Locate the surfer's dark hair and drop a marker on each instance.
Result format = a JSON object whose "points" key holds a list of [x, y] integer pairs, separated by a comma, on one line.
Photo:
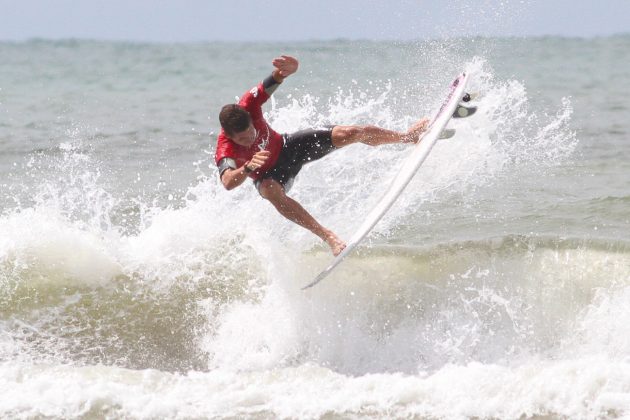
{"points": [[234, 119]]}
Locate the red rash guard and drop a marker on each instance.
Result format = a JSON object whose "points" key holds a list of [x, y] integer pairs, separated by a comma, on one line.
{"points": [[266, 137]]}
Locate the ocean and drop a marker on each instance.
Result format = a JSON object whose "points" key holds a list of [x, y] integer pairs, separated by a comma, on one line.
{"points": [[133, 285]]}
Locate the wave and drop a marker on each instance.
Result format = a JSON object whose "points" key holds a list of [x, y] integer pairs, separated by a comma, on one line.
{"points": [[88, 277], [387, 309], [120, 295], [402, 309]]}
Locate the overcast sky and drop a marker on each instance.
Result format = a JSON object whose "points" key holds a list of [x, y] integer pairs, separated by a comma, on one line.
{"points": [[291, 20]]}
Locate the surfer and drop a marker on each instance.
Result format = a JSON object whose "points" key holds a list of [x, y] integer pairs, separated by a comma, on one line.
{"points": [[248, 147]]}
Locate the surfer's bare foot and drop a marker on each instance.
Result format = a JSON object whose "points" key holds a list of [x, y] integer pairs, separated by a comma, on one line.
{"points": [[335, 244], [414, 132]]}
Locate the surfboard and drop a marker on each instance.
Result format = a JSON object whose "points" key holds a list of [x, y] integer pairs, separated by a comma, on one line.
{"points": [[410, 166]]}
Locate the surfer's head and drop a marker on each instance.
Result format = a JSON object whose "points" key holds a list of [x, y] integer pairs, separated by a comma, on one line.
{"points": [[237, 124]]}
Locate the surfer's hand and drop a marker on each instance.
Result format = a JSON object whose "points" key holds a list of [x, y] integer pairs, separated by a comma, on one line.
{"points": [[258, 160], [285, 65]]}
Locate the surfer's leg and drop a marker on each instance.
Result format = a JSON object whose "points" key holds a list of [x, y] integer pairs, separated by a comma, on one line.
{"points": [[344, 135], [273, 191]]}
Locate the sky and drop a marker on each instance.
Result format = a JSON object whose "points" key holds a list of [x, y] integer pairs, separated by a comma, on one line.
{"points": [[295, 20]]}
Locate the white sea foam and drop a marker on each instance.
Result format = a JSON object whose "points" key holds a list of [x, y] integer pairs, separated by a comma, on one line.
{"points": [[578, 388]]}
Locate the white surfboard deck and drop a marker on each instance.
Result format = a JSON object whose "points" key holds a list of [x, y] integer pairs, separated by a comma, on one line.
{"points": [[407, 171]]}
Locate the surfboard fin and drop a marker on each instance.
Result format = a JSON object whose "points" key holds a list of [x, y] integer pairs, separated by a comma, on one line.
{"points": [[464, 111], [447, 133]]}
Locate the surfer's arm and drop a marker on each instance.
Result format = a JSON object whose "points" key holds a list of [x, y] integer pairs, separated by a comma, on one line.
{"points": [[253, 99], [232, 176], [284, 67], [271, 82]]}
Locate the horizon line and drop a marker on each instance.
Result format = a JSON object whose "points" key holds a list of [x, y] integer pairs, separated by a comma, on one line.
{"points": [[303, 41]]}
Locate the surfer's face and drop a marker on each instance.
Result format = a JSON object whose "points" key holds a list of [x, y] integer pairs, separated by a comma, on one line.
{"points": [[245, 138]]}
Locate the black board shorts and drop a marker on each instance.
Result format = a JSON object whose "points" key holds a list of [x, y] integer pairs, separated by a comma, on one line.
{"points": [[299, 149]]}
